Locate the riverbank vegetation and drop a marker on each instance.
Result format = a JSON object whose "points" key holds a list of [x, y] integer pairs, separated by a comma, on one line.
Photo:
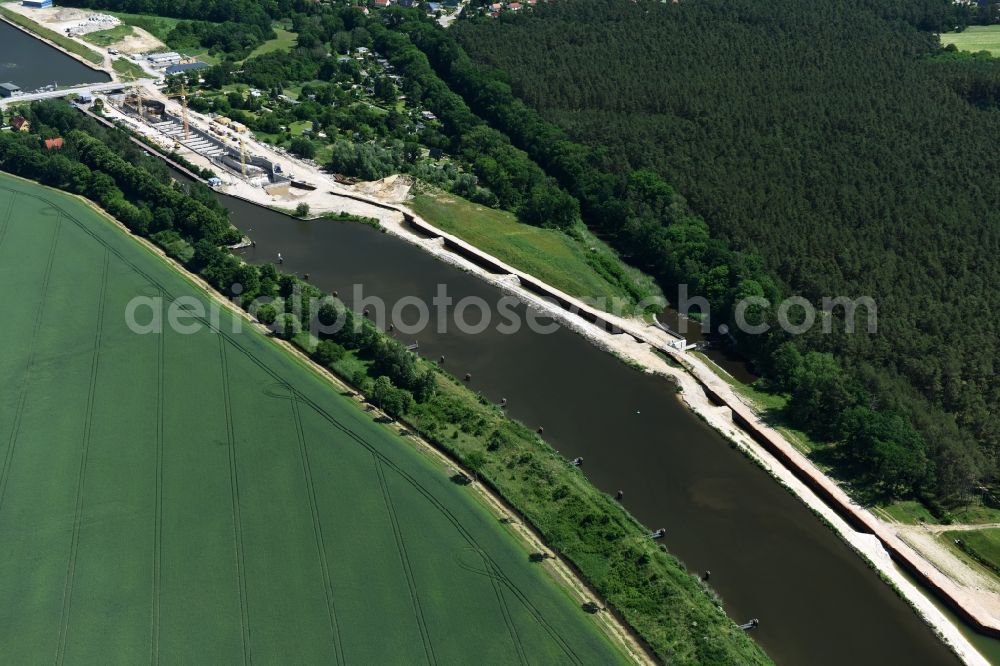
{"points": [[62, 41], [671, 609], [834, 196]]}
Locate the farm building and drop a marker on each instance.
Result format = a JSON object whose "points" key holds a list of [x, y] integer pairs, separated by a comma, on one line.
{"points": [[186, 67], [8, 89], [36, 4]]}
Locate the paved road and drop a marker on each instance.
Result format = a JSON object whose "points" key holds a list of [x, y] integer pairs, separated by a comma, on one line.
{"points": [[93, 87]]}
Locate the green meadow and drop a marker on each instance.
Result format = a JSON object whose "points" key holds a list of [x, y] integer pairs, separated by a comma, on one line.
{"points": [[204, 497], [975, 38], [578, 264]]}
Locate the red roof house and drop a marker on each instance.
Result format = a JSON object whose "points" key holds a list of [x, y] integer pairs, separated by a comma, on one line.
{"points": [[54, 144]]}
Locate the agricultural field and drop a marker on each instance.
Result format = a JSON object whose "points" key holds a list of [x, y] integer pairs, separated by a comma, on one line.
{"points": [[203, 496], [975, 38]]}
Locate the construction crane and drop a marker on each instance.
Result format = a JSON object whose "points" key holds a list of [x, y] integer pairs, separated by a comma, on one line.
{"points": [[184, 108]]}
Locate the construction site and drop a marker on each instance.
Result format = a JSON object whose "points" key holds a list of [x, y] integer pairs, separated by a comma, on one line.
{"points": [[241, 165], [223, 143]]}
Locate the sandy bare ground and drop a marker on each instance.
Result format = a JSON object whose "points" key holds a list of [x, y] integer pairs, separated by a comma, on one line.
{"points": [[329, 197], [960, 568], [53, 18], [961, 528], [393, 189], [139, 41]]}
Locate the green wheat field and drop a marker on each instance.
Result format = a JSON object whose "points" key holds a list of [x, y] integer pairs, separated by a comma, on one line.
{"points": [[206, 498]]}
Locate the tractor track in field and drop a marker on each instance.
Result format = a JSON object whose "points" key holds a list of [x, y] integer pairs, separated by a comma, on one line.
{"points": [[235, 492], [88, 431], [492, 571], [6, 217], [405, 559], [22, 398], [504, 607], [380, 457], [498, 574], [317, 527], [154, 640]]}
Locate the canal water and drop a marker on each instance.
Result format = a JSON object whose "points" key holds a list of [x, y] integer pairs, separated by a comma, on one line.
{"points": [[31, 63], [770, 558]]}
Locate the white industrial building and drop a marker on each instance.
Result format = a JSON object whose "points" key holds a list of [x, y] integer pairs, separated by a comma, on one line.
{"points": [[163, 59]]}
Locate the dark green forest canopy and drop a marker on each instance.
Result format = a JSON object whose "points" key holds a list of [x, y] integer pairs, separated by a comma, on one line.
{"points": [[833, 139]]}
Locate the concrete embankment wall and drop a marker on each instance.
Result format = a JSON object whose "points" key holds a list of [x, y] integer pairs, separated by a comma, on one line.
{"points": [[861, 521], [494, 265]]}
